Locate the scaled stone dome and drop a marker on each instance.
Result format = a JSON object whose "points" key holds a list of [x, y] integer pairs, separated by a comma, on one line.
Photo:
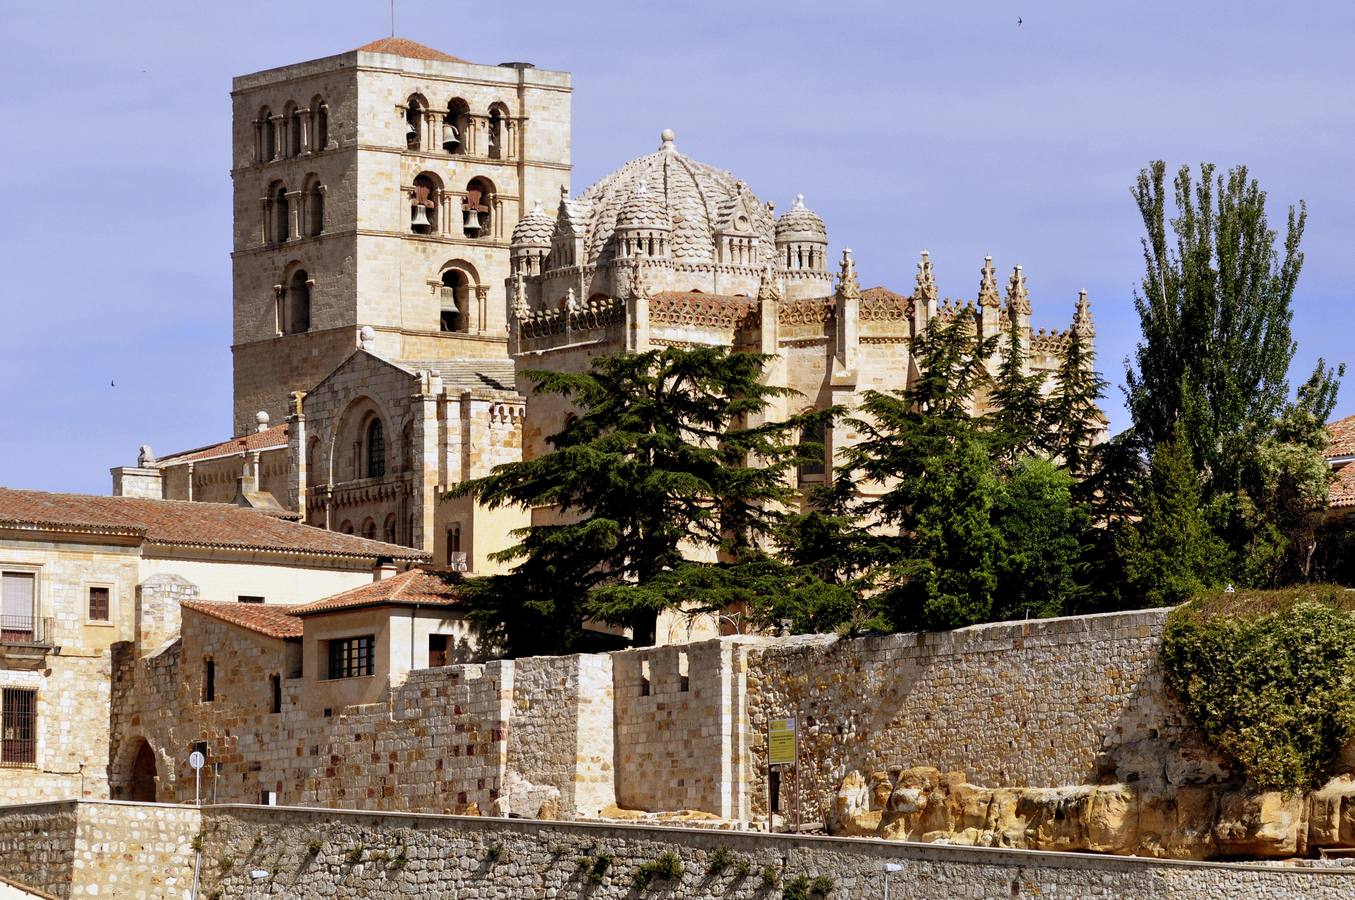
{"points": [[533, 229], [799, 223], [643, 209], [693, 196]]}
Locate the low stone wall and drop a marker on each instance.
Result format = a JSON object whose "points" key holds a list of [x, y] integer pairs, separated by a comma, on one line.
{"points": [[102, 848], [314, 853]]}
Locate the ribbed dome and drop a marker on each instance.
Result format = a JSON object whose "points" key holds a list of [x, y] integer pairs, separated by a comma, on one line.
{"points": [[693, 196], [643, 209], [799, 223], [534, 229]]}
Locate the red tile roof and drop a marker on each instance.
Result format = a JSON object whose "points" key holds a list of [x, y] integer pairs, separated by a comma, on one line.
{"points": [[1342, 433], [418, 587], [272, 619], [185, 523], [881, 292], [267, 439], [1341, 493], [407, 48]]}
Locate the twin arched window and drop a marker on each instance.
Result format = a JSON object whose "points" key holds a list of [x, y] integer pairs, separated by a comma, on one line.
{"points": [[282, 222], [297, 131], [376, 449]]}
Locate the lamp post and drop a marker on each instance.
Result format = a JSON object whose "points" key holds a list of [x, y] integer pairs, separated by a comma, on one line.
{"points": [[891, 868]]}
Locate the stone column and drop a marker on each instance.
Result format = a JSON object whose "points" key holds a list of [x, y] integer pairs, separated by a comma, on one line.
{"points": [[298, 477], [303, 117], [276, 124], [294, 215], [481, 308], [266, 204]]}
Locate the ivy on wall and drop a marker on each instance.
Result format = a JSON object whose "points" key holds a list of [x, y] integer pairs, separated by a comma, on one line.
{"points": [[1269, 677]]}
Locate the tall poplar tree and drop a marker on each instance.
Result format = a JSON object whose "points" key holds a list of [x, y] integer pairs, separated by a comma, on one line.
{"points": [[1018, 419]]}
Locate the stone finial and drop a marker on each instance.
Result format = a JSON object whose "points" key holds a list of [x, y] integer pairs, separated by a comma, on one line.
{"points": [[571, 302], [145, 456], [988, 284], [261, 420], [1018, 299], [847, 286], [638, 288], [519, 297], [769, 288], [1082, 317], [367, 338], [667, 139], [564, 193], [799, 202], [925, 286]]}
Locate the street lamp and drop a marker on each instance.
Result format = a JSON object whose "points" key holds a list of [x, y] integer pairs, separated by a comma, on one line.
{"points": [[891, 868]]}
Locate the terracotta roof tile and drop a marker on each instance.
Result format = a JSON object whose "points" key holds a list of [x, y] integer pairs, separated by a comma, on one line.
{"points": [[267, 439], [407, 48], [1341, 492], [186, 523], [272, 619], [421, 586], [1342, 433]]}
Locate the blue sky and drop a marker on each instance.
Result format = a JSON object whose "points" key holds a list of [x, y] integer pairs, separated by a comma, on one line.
{"points": [[907, 126]]}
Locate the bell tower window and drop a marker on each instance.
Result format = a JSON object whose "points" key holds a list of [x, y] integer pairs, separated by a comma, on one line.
{"points": [[475, 209], [298, 302], [319, 124], [496, 133], [453, 294], [423, 205], [266, 137], [454, 123], [282, 217], [376, 451], [414, 116]]}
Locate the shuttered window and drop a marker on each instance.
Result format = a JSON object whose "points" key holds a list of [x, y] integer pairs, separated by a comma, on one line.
{"points": [[16, 605], [98, 604]]}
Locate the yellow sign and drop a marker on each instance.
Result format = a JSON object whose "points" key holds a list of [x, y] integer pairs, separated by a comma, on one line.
{"points": [[781, 742]]}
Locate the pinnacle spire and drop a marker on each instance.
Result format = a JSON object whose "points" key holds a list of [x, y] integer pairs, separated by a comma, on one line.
{"points": [[1082, 317], [1018, 298], [925, 285], [847, 286], [769, 288], [988, 284], [638, 289], [519, 297]]}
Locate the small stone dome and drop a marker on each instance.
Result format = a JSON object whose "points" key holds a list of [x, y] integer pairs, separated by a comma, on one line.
{"points": [[534, 229], [799, 223], [643, 209]]}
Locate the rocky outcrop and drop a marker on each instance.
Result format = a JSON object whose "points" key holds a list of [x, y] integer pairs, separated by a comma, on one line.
{"points": [[1189, 821]]}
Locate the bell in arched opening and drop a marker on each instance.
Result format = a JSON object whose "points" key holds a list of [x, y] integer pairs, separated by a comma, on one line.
{"points": [[450, 138]]}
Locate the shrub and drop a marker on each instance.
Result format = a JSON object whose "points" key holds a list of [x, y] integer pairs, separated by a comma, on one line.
{"points": [[822, 885], [197, 842], [225, 863], [495, 853], [314, 847], [769, 875], [743, 867], [355, 853], [601, 863], [1269, 677], [666, 868], [796, 889], [719, 861]]}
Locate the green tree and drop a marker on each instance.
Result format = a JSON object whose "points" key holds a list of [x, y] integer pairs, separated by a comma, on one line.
{"points": [[1215, 309], [1018, 420], [659, 459], [1074, 414], [1039, 526], [1171, 552]]}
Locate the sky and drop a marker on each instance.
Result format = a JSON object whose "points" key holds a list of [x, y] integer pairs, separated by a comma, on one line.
{"points": [[944, 126]]}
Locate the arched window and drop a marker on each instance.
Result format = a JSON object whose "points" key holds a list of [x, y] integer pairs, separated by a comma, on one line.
{"points": [[376, 449], [498, 131], [298, 302], [266, 142], [319, 124], [282, 215], [816, 434], [313, 474], [369, 529], [423, 204], [414, 116], [475, 209], [293, 114], [346, 527], [388, 531], [407, 442], [315, 207], [454, 126], [455, 297]]}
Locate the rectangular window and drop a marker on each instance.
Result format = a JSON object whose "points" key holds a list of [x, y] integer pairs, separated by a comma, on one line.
{"points": [[17, 592], [248, 598], [352, 657], [437, 650], [98, 604], [275, 690], [268, 798], [18, 727], [208, 681]]}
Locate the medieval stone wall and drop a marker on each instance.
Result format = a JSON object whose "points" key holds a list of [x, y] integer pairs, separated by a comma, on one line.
{"points": [[1038, 703]]}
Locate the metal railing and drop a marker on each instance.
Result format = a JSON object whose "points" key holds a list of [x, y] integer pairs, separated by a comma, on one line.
{"points": [[26, 630]]}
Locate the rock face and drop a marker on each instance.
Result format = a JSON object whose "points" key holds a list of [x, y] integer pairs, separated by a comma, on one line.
{"points": [[1192, 821]]}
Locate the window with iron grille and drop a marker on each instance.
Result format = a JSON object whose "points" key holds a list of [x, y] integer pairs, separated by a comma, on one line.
{"points": [[376, 449], [351, 657], [18, 727], [98, 604]]}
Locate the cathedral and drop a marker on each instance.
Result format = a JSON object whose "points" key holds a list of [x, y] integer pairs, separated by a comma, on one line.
{"points": [[406, 246]]}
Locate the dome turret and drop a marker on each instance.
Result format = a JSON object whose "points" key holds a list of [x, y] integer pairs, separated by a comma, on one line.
{"points": [[801, 239], [530, 242]]}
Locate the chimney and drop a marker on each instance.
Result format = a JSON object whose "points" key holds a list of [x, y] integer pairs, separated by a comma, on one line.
{"points": [[383, 569]]}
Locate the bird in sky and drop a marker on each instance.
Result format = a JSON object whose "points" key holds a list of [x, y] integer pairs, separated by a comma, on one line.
{"points": [[112, 384], [1018, 21]]}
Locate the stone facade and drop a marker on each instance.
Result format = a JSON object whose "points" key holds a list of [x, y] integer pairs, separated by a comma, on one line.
{"points": [[131, 850]]}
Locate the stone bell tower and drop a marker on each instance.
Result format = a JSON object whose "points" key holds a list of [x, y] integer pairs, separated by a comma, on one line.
{"points": [[380, 187]]}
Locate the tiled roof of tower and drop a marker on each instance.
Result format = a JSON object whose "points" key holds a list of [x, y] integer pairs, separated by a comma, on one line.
{"points": [[272, 619], [467, 374], [1342, 433], [408, 49], [268, 439], [185, 523], [417, 587], [534, 229]]}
